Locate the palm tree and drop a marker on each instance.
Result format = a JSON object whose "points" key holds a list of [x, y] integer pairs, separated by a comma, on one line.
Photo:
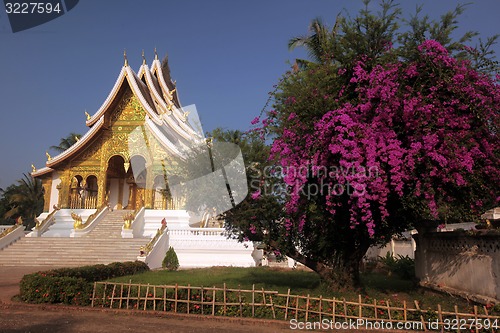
{"points": [[320, 45], [66, 142], [24, 199]]}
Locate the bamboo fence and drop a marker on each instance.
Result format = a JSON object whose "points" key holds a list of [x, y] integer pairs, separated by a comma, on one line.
{"points": [[259, 303]]}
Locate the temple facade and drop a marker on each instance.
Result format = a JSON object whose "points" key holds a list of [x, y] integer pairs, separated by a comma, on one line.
{"points": [[123, 159], [122, 193]]}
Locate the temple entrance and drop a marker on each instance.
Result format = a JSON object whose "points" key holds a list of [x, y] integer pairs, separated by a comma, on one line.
{"points": [[83, 192], [126, 182], [115, 182]]}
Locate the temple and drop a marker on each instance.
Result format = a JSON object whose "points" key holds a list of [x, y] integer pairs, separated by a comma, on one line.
{"points": [[109, 196], [98, 169]]}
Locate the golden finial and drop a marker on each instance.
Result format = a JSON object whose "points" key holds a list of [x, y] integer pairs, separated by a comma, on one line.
{"points": [[48, 156], [88, 115], [172, 94], [125, 57], [185, 115], [143, 58], [156, 55], [175, 83], [77, 138], [33, 169]]}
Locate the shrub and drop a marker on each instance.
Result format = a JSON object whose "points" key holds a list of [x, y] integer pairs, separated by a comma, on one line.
{"points": [[39, 288], [72, 285], [403, 267], [170, 262]]}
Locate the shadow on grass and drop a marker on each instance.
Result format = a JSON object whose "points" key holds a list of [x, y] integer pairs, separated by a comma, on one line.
{"points": [[387, 284], [282, 279]]}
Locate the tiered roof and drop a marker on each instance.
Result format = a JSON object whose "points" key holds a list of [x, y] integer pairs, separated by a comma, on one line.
{"points": [[156, 92]]}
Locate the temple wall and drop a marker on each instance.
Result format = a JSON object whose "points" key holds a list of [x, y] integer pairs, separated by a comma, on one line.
{"points": [[54, 192], [469, 264]]}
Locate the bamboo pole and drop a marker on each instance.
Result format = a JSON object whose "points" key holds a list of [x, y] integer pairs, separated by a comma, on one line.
{"points": [[128, 292], [146, 298], [213, 302], [112, 296], [121, 296], [375, 308], [475, 319], [287, 303], [239, 298], [307, 307], [388, 310], [104, 294], [154, 298], [175, 299], [440, 315], [345, 309], [189, 297], [253, 300], [421, 316], [202, 299], [164, 298], [138, 296], [360, 308], [405, 314], [93, 294], [333, 309], [320, 307], [224, 309], [297, 300], [272, 306]]}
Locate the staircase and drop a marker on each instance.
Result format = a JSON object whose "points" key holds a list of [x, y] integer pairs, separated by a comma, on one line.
{"points": [[102, 245]]}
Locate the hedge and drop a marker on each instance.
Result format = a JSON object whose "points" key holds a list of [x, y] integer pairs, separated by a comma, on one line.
{"points": [[72, 285]]}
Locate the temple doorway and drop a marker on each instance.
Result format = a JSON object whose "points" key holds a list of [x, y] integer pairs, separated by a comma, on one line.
{"points": [[115, 182]]}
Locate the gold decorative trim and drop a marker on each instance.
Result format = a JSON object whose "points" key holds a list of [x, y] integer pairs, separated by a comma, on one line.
{"points": [[145, 250], [39, 225], [78, 224]]}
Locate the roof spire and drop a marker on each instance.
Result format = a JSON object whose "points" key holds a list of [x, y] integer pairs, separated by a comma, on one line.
{"points": [[125, 58], [156, 55], [143, 58]]}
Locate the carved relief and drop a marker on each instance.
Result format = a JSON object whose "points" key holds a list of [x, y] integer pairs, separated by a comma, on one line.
{"points": [[129, 109]]}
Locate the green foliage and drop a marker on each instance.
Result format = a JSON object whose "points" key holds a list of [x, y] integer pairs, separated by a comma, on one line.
{"points": [[170, 262], [340, 89], [72, 285], [403, 267], [39, 288], [24, 199], [66, 142]]}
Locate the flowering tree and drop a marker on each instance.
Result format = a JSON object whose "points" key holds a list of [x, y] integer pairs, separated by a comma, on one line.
{"points": [[372, 144]]}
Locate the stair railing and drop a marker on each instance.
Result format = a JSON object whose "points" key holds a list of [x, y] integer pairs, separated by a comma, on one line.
{"points": [[80, 228], [133, 223], [146, 250], [41, 227], [10, 235]]}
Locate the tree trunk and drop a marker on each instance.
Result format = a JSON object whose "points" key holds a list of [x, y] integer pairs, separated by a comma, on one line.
{"points": [[342, 273]]}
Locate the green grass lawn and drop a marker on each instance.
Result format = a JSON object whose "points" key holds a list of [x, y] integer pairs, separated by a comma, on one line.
{"points": [[377, 286]]}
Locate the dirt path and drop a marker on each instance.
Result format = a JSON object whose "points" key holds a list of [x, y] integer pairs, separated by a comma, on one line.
{"points": [[38, 319]]}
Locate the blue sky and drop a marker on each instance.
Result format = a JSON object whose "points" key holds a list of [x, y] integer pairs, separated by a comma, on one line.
{"points": [[225, 55]]}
